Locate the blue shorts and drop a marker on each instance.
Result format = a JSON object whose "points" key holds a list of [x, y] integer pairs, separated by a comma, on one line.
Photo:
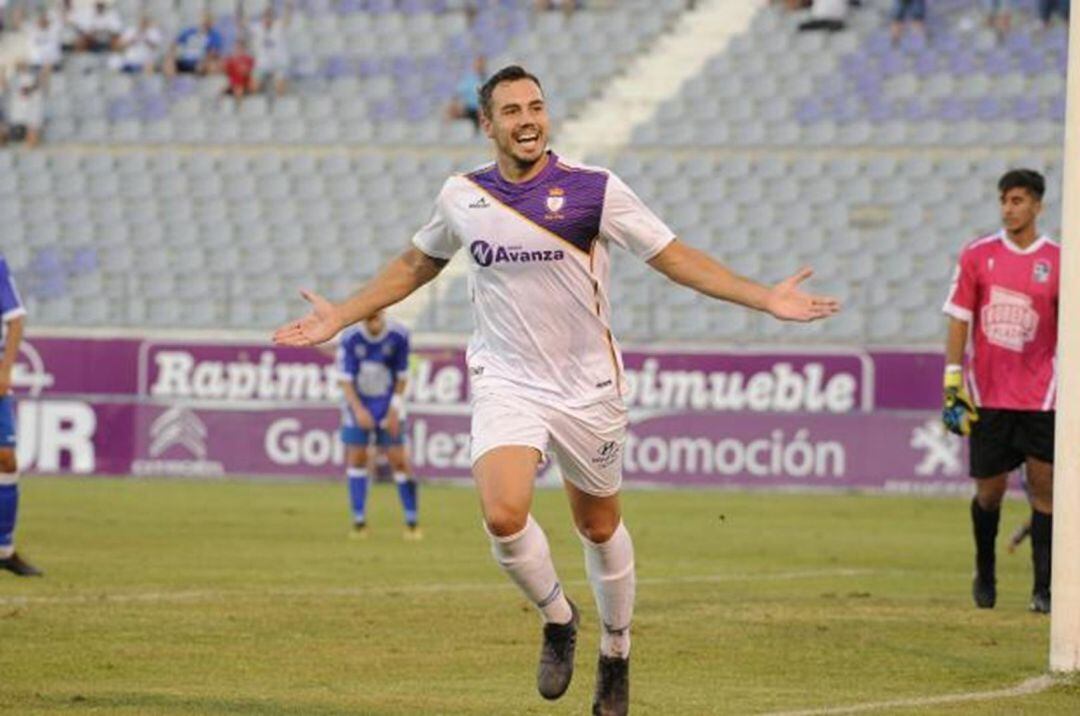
{"points": [[909, 10], [358, 437], [7, 422]]}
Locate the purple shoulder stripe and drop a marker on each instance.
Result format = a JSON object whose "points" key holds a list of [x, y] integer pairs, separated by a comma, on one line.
{"points": [[566, 201]]}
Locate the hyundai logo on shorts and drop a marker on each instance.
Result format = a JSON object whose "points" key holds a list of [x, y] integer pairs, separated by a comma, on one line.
{"points": [[486, 254]]}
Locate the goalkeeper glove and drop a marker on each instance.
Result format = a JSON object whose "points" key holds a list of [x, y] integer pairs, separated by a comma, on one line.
{"points": [[959, 412]]}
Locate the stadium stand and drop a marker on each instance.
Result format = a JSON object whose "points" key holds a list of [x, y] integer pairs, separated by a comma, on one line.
{"points": [[161, 204]]}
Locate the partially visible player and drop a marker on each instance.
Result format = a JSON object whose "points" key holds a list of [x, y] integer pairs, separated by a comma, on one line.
{"points": [[11, 331], [1003, 305], [373, 362]]}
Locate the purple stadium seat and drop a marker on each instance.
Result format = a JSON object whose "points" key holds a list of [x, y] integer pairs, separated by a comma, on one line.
{"points": [[182, 86], [989, 109], [153, 108], [998, 62], [892, 64], [1026, 109], [84, 260], [952, 109], [914, 110], [963, 62], [809, 111], [122, 109], [337, 66], [926, 63], [1032, 63], [1057, 109]]}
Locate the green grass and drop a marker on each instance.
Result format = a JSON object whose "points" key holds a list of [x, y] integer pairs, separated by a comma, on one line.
{"points": [[246, 598]]}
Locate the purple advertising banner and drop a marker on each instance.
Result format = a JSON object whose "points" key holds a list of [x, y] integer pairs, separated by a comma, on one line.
{"points": [[906, 452], [82, 366], [769, 419]]}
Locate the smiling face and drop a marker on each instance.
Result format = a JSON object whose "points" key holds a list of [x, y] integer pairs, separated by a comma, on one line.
{"points": [[516, 120]]}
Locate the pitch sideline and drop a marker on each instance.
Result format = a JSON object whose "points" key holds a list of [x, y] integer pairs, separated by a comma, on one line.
{"points": [[1024, 688], [216, 595]]}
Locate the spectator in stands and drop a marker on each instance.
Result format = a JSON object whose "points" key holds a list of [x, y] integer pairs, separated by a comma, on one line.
{"points": [[270, 49], [827, 15], [905, 12], [139, 48], [98, 27], [1049, 8], [43, 42], [197, 49], [240, 71], [567, 6], [466, 102], [27, 108], [999, 15]]}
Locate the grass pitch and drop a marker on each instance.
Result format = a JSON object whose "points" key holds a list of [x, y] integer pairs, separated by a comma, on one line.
{"points": [[247, 598]]}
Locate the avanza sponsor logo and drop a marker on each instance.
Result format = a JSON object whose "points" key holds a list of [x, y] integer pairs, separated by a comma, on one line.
{"points": [[485, 254]]}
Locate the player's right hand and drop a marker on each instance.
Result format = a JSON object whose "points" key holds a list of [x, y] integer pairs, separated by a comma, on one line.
{"points": [[959, 411], [319, 326], [363, 418]]}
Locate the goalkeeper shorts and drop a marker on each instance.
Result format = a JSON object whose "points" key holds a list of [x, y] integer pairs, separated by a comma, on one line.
{"points": [[1002, 439]]}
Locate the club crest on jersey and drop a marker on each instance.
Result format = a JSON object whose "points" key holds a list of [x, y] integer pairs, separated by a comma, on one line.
{"points": [[555, 201], [1009, 319], [485, 254], [1041, 271]]}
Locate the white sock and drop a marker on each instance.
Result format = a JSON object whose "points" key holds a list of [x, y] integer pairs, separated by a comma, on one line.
{"points": [[526, 557], [610, 566]]}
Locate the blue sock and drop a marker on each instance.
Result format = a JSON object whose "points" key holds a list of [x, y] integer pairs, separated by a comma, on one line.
{"points": [[406, 490], [9, 509], [358, 483]]}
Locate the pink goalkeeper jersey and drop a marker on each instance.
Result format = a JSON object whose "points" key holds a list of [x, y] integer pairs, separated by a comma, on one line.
{"points": [[1009, 298]]}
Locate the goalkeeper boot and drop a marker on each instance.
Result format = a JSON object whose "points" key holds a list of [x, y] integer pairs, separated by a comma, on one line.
{"points": [[612, 697], [20, 567], [984, 591], [556, 666]]}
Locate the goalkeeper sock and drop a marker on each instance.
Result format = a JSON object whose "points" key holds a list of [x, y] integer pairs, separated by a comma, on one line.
{"points": [[985, 525], [1042, 535], [358, 484], [406, 489]]}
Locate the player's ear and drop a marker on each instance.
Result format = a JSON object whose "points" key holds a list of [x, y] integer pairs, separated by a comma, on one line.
{"points": [[485, 124]]}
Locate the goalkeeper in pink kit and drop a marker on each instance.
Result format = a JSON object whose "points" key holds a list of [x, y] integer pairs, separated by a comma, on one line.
{"points": [[1003, 309]]}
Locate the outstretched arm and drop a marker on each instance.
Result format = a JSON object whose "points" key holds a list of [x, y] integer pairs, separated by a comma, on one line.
{"points": [[408, 272], [697, 270], [13, 336]]}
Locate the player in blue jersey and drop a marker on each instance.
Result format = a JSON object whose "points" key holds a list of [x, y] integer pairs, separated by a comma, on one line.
{"points": [[373, 361], [11, 331]]}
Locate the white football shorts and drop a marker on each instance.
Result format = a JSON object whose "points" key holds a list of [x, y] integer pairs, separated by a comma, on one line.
{"points": [[587, 442]]}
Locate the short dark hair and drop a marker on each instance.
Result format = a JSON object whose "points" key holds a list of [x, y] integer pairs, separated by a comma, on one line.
{"points": [[511, 73], [1028, 179]]}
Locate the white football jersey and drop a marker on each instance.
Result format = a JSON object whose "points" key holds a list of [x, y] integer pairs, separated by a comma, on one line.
{"points": [[539, 275]]}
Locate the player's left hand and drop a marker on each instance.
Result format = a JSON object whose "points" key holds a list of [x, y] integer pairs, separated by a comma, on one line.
{"points": [[788, 303], [319, 326], [5, 380]]}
